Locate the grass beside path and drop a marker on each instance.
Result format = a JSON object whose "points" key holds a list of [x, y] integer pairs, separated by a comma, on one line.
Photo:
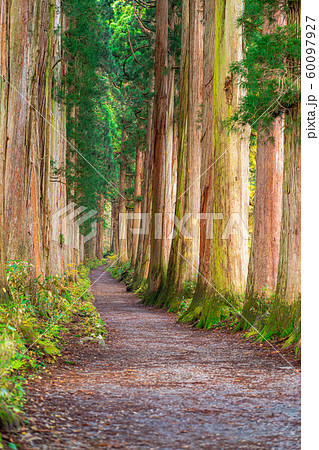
{"points": [[32, 324]]}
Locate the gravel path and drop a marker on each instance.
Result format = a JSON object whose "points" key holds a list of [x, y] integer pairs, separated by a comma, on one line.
{"points": [[161, 385]]}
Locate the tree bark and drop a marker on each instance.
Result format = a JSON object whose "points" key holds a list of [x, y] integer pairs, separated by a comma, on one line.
{"points": [[129, 222], [288, 287], [100, 228], [90, 249], [115, 229], [289, 269], [4, 90], [169, 194], [225, 164], [157, 261], [32, 131], [185, 251], [264, 254], [190, 247], [140, 154], [143, 252], [123, 256]]}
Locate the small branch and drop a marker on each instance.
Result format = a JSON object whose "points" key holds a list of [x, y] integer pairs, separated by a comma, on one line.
{"points": [[129, 40], [126, 74], [59, 181], [143, 28], [138, 117], [56, 62]]}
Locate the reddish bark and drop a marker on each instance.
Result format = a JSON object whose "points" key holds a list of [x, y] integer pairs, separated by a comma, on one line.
{"points": [[264, 256], [143, 254], [100, 228], [224, 168], [160, 134], [123, 256], [288, 287], [115, 229], [32, 133], [137, 199]]}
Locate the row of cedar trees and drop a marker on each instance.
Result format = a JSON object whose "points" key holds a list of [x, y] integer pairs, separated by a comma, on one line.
{"points": [[32, 133], [192, 164], [33, 129]]}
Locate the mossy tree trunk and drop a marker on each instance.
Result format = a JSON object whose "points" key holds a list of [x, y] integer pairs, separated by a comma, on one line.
{"points": [[4, 291], [115, 228], [123, 255], [143, 251], [225, 164], [157, 261], [190, 246], [4, 90], [185, 248], [264, 254], [32, 135], [100, 227], [129, 210], [289, 270], [169, 291], [139, 163], [90, 249], [169, 191]]}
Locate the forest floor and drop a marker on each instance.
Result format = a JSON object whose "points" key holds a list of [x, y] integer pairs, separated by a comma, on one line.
{"points": [[156, 384]]}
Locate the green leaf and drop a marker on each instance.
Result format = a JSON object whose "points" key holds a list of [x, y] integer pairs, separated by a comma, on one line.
{"points": [[18, 364], [12, 445]]}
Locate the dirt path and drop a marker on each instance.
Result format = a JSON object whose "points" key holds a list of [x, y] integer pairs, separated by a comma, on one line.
{"points": [[162, 385]]}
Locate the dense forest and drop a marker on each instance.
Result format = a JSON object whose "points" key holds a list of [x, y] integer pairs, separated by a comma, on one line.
{"points": [[161, 138], [216, 91]]}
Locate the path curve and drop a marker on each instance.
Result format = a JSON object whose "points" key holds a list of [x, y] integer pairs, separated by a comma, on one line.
{"points": [[162, 385]]}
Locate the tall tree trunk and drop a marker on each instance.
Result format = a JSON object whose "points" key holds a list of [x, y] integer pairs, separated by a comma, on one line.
{"points": [[264, 254], [4, 92], [169, 197], [288, 287], [140, 154], [225, 163], [28, 139], [4, 291], [129, 222], [157, 262], [100, 228], [90, 249], [57, 186], [190, 247], [185, 250], [143, 252], [169, 293], [115, 229], [123, 256], [171, 151], [289, 269]]}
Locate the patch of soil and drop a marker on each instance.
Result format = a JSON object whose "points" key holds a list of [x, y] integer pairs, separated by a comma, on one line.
{"points": [[156, 384]]}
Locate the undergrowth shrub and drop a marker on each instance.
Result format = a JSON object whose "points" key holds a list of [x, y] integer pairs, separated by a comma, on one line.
{"points": [[186, 297], [281, 321], [94, 263], [31, 323], [121, 272]]}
